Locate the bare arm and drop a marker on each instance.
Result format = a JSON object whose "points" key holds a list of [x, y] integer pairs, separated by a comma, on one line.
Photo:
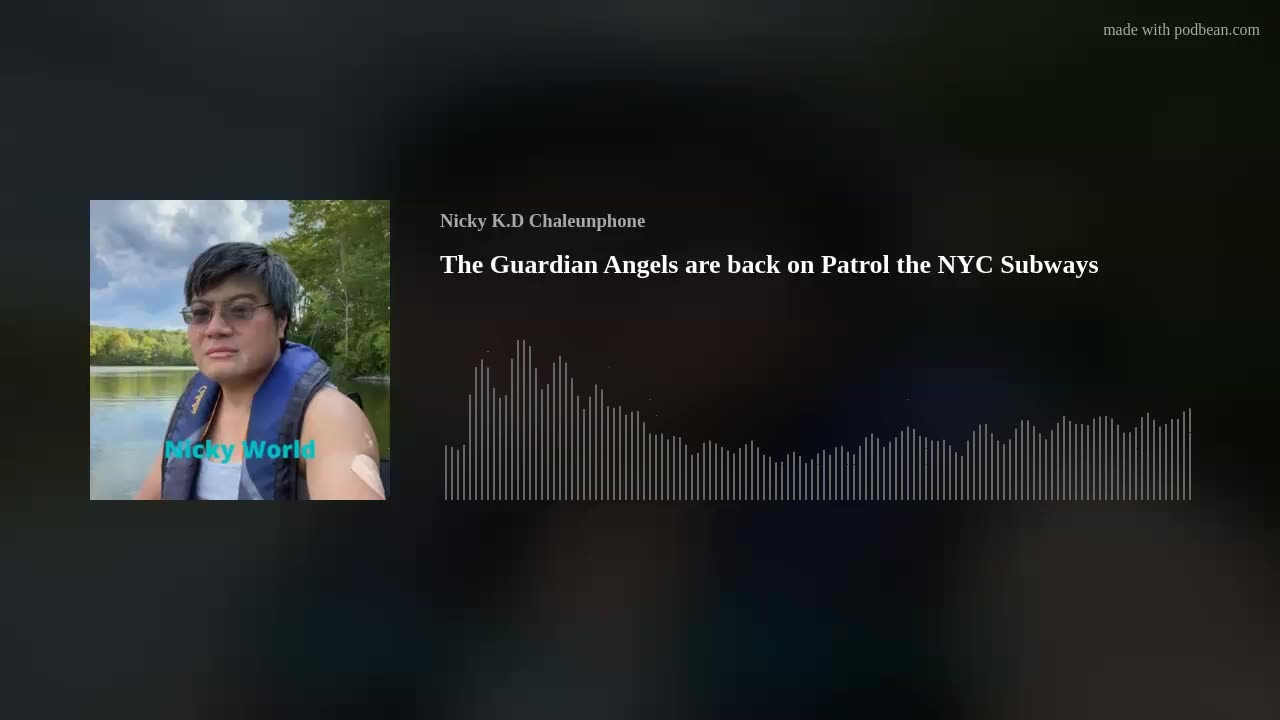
{"points": [[345, 466], [150, 489]]}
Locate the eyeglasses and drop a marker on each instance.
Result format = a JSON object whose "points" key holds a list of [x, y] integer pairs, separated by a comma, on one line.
{"points": [[237, 313]]}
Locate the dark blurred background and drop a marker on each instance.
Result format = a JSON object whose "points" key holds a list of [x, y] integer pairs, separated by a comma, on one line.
{"points": [[829, 129]]}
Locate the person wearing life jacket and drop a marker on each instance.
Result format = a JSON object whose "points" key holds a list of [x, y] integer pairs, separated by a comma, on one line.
{"points": [[260, 420]]}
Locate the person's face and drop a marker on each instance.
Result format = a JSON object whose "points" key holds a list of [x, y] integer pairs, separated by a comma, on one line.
{"points": [[236, 340]]}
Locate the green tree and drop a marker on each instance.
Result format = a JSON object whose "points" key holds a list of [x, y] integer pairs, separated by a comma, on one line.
{"points": [[341, 252]]}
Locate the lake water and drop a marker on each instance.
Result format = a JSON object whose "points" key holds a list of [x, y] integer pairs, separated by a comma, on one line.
{"points": [[129, 410]]}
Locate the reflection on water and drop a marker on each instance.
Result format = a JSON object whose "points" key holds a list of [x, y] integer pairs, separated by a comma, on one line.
{"points": [[129, 409]]}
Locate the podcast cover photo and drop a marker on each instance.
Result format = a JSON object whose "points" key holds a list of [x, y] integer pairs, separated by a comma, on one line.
{"points": [[239, 349]]}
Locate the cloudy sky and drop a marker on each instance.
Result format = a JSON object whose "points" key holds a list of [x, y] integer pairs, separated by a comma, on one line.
{"points": [[139, 251]]}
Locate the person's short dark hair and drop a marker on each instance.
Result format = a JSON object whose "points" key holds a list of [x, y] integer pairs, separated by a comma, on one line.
{"points": [[241, 258]]}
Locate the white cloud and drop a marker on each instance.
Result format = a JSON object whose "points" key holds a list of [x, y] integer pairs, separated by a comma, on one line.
{"points": [[139, 251]]}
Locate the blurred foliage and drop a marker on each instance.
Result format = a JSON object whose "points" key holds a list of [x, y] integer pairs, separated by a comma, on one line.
{"points": [[121, 346]]}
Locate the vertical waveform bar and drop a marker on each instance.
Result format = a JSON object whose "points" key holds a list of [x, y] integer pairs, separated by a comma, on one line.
{"points": [[491, 438], [572, 448], [988, 485], [1032, 477], [560, 419], [663, 493], [845, 488], [596, 407], [518, 454], [979, 460], [1151, 458], [1116, 459], [1107, 449], [552, 431], [551, 439], [1131, 463], [993, 465], [566, 460], [838, 473], [874, 475], [540, 426], [588, 445], [1044, 465], [868, 470], [518, 425], [925, 471], [1019, 456], [787, 492], [1126, 463], [1104, 457], [1002, 474], [709, 470], [1037, 457], [1131, 440], [619, 453], [1182, 457], [1189, 439], [606, 444], [859, 466], [1098, 457], [526, 417], [1164, 461], [965, 464], [1175, 458], [721, 486], [1069, 458], [1086, 459], [1142, 454], [910, 466], [751, 476], [1155, 459], [824, 477], [509, 410], [1142, 458], [646, 454]]}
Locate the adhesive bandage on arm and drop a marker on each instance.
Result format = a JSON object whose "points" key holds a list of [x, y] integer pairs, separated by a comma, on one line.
{"points": [[367, 470]]}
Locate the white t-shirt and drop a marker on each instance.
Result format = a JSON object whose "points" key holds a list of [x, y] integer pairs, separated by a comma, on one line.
{"points": [[218, 481]]}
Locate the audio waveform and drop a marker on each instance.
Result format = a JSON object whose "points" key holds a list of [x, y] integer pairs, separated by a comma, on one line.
{"points": [[545, 438]]}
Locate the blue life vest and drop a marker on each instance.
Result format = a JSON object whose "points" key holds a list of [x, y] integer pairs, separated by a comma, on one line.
{"points": [[275, 417]]}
